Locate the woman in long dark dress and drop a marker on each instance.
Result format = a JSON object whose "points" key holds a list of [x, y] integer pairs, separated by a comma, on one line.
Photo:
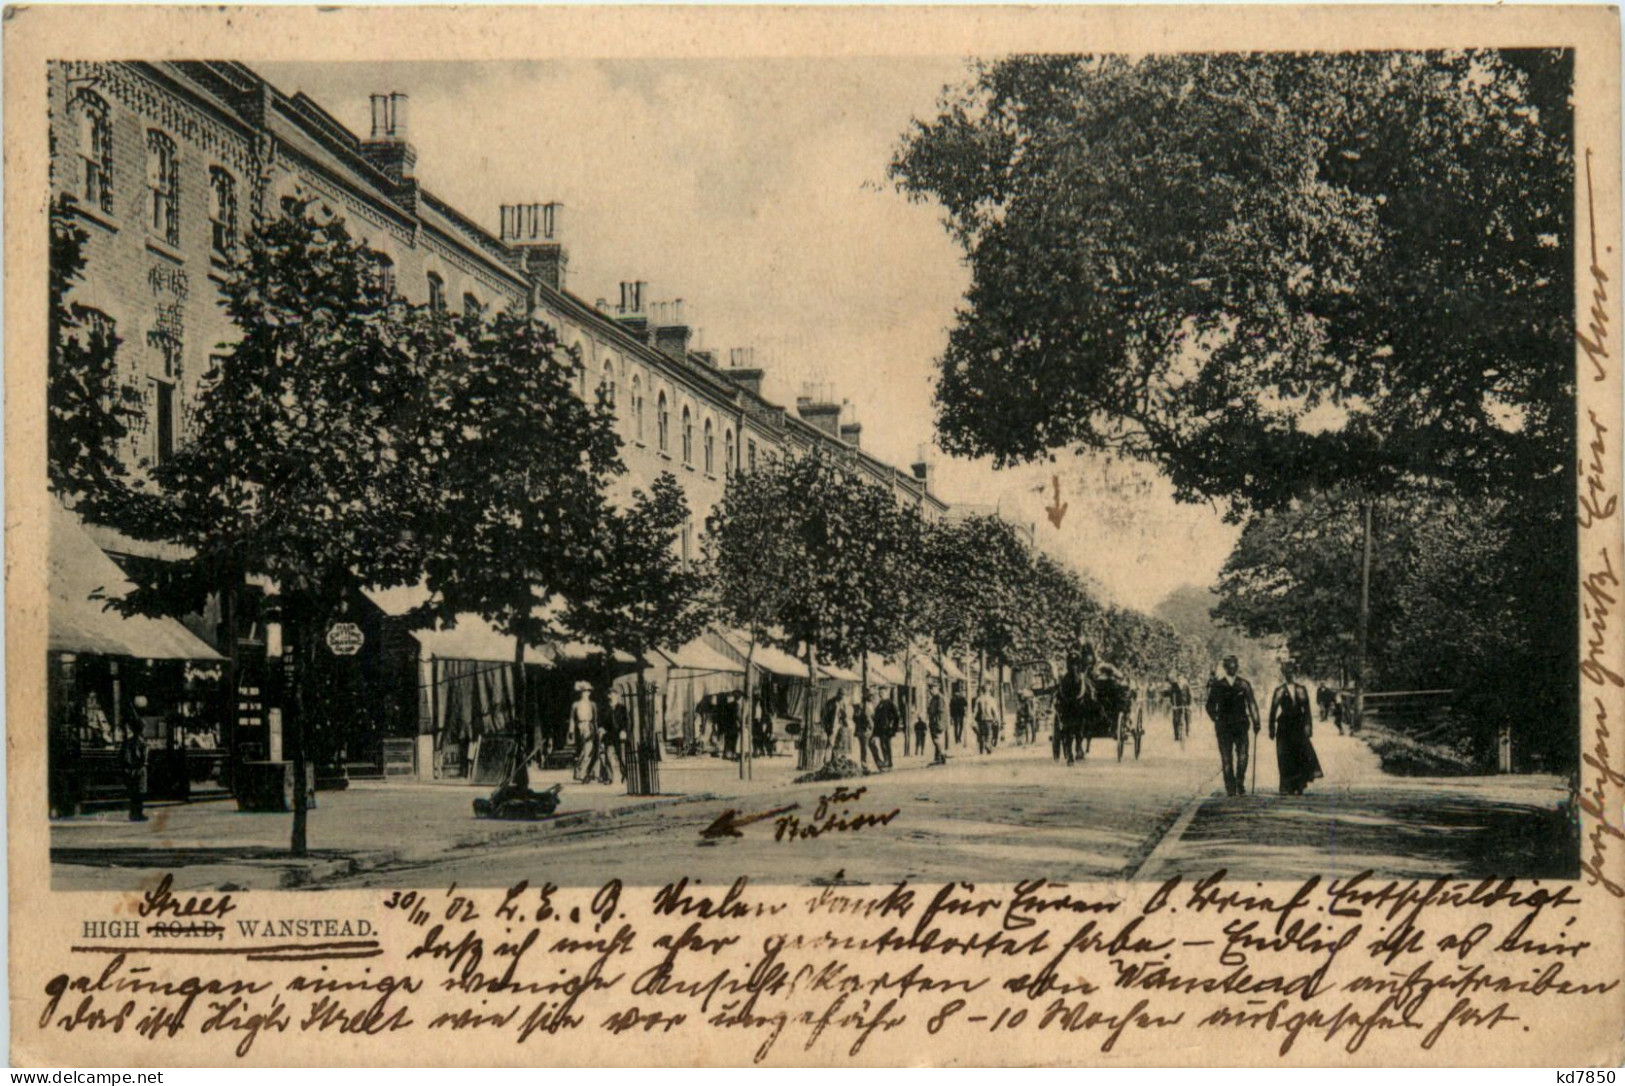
{"points": [[1291, 725]]}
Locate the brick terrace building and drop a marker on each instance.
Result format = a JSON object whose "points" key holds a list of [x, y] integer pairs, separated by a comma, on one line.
{"points": [[167, 167]]}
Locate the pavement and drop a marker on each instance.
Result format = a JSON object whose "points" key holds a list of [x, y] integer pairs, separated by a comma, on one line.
{"points": [[1011, 815]]}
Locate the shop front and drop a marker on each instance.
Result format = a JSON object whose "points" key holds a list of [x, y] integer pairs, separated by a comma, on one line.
{"points": [[111, 675]]}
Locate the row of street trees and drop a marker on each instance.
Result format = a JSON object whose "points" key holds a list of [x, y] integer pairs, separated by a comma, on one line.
{"points": [[807, 556]]}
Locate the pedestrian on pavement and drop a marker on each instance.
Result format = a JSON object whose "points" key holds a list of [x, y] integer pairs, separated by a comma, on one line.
{"points": [[1026, 724], [933, 712], [619, 744], [1291, 725], [584, 727], [987, 715], [956, 710], [864, 730], [761, 726], [886, 718], [133, 760], [1337, 714], [728, 725], [1232, 708], [1324, 698], [1070, 697], [919, 736]]}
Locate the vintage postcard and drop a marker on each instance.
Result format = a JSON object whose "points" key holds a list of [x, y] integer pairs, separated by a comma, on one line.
{"points": [[825, 536]]}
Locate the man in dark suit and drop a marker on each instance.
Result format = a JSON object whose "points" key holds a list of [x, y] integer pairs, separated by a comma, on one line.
{"points": [[1234, 712]]}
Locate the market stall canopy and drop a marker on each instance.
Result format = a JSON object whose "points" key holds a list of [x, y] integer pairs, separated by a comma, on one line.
{"points": [[697, 656], [470, 637], [82, 582], [884, 672], [839, 674], [766, 656]]}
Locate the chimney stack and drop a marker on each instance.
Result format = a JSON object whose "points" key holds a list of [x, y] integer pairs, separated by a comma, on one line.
{"points": [[387, 148], [631, 312], [671, 331], [816, 407], [852, 434], [743, 371], [922, 469], [534, 232]]}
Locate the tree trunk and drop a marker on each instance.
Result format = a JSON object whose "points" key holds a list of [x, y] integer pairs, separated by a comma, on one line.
{"points": [[863, 707], [813, 712], [516, 719], [747, 730], [308, 640]]}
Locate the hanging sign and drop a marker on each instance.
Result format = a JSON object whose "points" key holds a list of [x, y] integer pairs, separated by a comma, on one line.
{"points": [[345, 639]]}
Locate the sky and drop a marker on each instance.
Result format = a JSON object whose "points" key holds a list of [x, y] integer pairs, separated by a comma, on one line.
{"points": [[756, 191]]}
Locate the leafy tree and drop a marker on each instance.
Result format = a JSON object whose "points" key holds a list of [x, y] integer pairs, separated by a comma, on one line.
{"points": [[1267, 274], [299, 464], [750, 550], [86, 408], [886, 589], [520, 467], [789, 546], [637, 594]]}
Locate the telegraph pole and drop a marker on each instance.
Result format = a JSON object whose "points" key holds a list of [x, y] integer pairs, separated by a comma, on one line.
{"points": [[1363, 627]]}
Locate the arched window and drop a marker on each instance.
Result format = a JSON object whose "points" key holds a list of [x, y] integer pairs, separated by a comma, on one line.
{"points": [[609, 382], [688, 438], [95, 151], [637, 407], [710, 442], [728, 452], [163, 187], [437, 293], [663, 423]]}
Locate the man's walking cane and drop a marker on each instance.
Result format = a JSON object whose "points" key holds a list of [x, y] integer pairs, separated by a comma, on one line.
{"points": [[1255, 761]]}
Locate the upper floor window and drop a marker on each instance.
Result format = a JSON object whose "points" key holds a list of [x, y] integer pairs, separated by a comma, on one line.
{"points": [[751, 454], [95, 151], [164, 187], [728, 452], [384, 268], [609, 383], [710, 464], [163, 430], [223, 211], [472, 306], [688, 438], [663, 423], [637, 407], [437, 293]]}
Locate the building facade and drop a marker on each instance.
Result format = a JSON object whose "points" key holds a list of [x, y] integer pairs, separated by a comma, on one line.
{"points": [[167, 166]]}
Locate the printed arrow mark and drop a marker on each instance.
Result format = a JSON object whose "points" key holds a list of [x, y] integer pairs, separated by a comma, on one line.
{"points": [[1058, 510]]}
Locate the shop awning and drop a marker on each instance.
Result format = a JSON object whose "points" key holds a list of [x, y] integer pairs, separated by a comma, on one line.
{"points": [[470, 637], [82, 582], [839, 674], [766, 656], [697, 656], [884, 672]]}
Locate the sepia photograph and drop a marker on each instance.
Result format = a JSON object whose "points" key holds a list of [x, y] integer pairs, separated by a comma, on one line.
{"points": [[844, 470], [833, 537]]}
